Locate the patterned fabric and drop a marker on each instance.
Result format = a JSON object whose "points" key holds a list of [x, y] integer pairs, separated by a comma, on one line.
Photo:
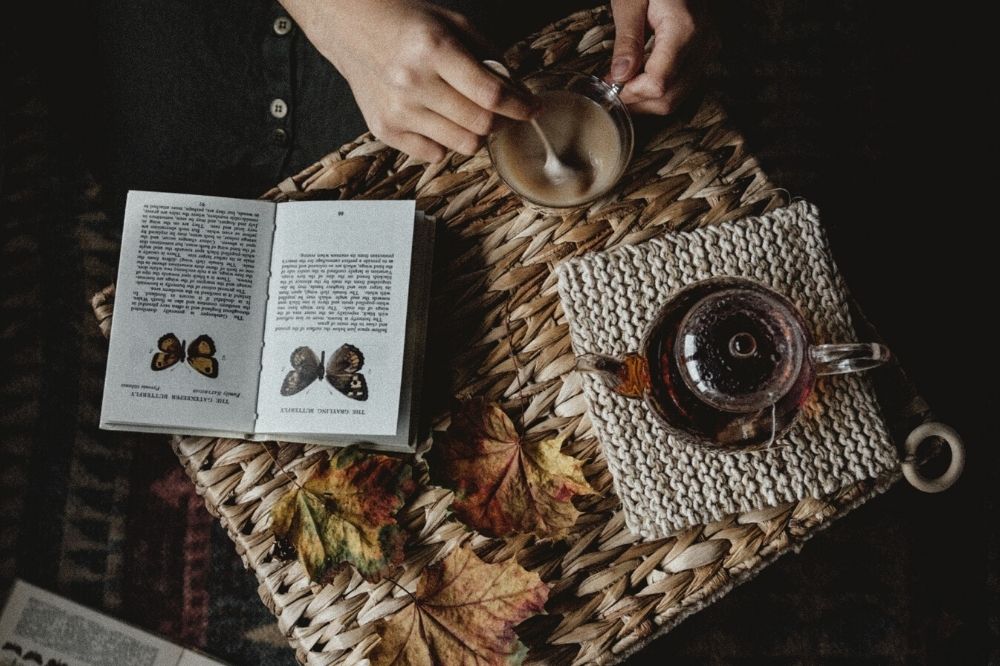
{"points": [[107, 519], [666, 484]]}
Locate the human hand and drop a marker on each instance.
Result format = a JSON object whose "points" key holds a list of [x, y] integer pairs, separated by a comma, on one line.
{"points": [[408, 63], [680, 49]]}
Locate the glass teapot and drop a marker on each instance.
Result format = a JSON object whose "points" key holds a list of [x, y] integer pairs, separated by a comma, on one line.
{"points": [[728, 363]]}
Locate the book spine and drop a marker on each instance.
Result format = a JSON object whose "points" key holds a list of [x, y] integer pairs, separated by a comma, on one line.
{"points": [[263, 326]]}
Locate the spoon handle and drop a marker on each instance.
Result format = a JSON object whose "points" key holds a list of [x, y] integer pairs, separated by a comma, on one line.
{"points": [[549, 150]]}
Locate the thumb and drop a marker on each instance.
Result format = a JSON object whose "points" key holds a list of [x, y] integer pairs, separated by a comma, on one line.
{"points": [[630, 38]]}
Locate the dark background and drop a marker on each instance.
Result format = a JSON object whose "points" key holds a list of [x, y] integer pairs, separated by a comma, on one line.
{"points": [[879, 112]]}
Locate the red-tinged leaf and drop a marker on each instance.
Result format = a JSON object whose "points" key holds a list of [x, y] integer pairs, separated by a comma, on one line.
{"points": [[464, 612], [503, 483], [345, 513]]}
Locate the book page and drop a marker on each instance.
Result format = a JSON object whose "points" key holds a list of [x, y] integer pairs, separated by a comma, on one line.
{"points": [[336, 318], [44, 628], [189, 313]]}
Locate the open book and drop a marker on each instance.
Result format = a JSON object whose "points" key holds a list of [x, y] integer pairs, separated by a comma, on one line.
{"points": [[301, 321]]}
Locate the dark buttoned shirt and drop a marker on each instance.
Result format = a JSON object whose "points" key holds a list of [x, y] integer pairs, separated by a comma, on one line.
{"points": [[221, 97], [225, 97]]}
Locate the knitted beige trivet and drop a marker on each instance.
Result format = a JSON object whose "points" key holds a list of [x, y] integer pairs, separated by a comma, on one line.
{"points": [[666, 485]]}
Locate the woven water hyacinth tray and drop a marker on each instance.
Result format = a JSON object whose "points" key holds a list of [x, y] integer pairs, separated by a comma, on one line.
{"points": [[497, 331]]}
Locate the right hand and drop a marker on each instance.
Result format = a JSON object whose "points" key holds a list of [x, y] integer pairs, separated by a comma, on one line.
{"points": [[417, 84], [681, 46]]}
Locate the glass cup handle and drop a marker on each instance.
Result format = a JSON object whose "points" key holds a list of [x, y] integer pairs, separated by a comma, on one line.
{"points": [[851, 357]]}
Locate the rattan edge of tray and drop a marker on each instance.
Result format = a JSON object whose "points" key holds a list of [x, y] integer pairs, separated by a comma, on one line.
{"points": [[828, 511], [356, 170], [749, 570]]}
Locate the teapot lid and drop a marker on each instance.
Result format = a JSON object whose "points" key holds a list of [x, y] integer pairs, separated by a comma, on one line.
{"points": [[740, 349]]}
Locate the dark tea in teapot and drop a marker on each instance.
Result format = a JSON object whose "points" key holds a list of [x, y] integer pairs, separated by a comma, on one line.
{"points": [[729, 362]]}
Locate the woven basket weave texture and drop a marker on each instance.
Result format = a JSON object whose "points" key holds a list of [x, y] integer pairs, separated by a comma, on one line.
{"points": [[498, 331]]}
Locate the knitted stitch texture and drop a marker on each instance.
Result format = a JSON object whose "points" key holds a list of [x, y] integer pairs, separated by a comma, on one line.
{"points": [[665, 484]]}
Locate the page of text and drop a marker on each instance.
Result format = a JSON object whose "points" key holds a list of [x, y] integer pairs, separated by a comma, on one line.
{"points": [[336, 318], [189, 312], [43, 628]]}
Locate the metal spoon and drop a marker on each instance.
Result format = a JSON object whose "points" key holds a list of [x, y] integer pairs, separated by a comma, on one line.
{"points": [[555, 169]]}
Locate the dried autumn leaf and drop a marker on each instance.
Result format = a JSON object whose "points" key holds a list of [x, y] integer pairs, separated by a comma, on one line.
{"points": [[464, 612], [345, 514], [504, 484]]}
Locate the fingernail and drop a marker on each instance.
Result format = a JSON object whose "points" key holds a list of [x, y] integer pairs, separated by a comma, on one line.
{"points": [[620, 67]]}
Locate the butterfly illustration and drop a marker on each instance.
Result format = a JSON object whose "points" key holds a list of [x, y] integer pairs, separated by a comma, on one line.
{"points": [[342, 372], [200, 354]]}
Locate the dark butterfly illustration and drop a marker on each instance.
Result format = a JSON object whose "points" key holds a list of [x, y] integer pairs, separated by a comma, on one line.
{"points": [[200, 354], [343, 371], [12, 647], [33, 656]]}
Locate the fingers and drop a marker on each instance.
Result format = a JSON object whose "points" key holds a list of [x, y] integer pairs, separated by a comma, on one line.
{"points": [[428, 136], [451, 54], [667, 103], [645, 87], [675, 64], [487, 90], [676, 88], [447, 102], [663, 68], [674, 34], [417, 146], [438, 97], [630, 38], [447, 133]]}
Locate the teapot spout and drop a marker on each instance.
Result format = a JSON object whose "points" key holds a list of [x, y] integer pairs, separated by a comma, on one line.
{"points": [[627, 376]]}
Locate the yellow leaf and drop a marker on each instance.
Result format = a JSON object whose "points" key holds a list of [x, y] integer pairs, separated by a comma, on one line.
{"points": [[345, 514]]}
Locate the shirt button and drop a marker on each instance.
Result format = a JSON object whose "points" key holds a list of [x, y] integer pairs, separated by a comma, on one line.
{"points": [[278, 108], [282, 26], [279, 137]]}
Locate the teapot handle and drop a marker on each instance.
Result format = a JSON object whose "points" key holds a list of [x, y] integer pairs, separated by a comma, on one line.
{"points": [[627, 375], [840, 359]]}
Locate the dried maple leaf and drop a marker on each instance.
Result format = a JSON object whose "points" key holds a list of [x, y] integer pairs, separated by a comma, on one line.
{"points": [[345, 514], [464, 612], [504, 484]]}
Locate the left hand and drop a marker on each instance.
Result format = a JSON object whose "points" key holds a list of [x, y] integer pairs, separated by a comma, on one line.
{"points": [[680, 49]]}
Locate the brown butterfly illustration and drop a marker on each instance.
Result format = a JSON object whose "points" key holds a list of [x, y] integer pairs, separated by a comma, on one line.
{"points": [[342, 372], [200, 354]]}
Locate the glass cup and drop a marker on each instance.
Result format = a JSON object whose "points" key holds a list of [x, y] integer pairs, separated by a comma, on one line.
{"points": [[589, 128]]}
